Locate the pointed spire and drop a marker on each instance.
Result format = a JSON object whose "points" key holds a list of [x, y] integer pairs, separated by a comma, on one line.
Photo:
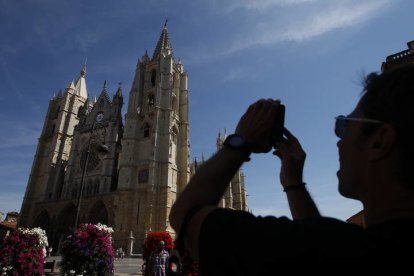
{"points": [[118, 99], [163, 42], [83, 70], [80, 84], [220, 139], [145, 58], [119, 91], [71, 85], [104, 93], [95, 100]]}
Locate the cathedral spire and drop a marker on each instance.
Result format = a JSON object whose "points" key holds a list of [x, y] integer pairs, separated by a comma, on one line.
{"points": [[163, 42], [119, 91], [104, 93], [104, 86], [80, 85]]}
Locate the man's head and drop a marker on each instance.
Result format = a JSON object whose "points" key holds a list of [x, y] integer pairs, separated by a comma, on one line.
{"points": [[389, 97], [161, 245], [387, 102]]}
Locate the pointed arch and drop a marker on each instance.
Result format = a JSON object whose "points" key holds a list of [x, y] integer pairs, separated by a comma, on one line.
{"points": [[153, 77], [42, 221], [63, 225], [151, 100], [66, 217], [174, 102], [80, 110], [96, 186], [173, 149], [146, 130], [174, 134], [98, 213]]}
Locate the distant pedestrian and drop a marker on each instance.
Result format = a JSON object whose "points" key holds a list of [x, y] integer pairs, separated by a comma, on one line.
{"points": [[49, 251], [158, 261], [118, 253]]}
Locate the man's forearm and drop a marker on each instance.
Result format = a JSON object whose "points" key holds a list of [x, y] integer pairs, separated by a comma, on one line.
{"points": [[208, 184], [301, 204]]}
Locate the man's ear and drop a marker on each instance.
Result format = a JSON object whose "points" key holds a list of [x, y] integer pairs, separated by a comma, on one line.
{"points": [[382, 142]]}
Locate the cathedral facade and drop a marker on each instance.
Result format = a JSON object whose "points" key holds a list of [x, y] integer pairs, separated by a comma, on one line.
{"points": [[90, 167]]}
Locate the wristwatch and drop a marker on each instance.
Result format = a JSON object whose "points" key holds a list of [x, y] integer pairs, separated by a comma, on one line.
{"points": [[235, 142]]}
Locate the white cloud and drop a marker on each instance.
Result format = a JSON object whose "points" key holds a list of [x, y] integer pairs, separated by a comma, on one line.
{"points": [[237, 73], [324, 21], [262, 5], [270, 22]]}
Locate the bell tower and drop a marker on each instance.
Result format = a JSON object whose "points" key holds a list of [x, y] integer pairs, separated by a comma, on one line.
{"points": [[53, 149], [153, 165]]}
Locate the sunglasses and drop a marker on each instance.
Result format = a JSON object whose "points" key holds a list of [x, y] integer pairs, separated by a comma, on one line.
{"points": [[341, 124]]}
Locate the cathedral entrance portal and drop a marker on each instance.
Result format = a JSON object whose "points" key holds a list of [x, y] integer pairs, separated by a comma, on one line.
{"points": [[64, 226], [98, 213]]}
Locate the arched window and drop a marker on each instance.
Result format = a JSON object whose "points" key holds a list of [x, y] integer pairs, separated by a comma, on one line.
{"points": [[80, 109], [151, 100], [96, 187], [146, 130], [174, 103], [173, 144], [174, 134], [153, 77]]}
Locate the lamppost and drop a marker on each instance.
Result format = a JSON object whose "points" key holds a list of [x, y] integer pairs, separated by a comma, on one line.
{"points": [[101, 148]]}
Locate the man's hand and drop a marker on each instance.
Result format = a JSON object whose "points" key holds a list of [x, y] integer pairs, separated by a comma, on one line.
{"points": [[257, 123], [292, 157]]}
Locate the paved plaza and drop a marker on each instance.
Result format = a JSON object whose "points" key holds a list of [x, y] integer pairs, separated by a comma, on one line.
{"points": [[123, 267]]}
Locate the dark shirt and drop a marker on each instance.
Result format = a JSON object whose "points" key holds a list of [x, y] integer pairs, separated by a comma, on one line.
{"points": [[238, 243]]}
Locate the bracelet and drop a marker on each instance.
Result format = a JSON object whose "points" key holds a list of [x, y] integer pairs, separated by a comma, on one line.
{"points": [[294, 187]]}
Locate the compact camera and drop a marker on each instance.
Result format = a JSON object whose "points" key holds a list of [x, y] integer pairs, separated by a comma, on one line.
{"points": [[277, 131]]}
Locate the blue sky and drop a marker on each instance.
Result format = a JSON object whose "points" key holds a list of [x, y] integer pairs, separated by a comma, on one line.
{"points": [[311, 54]]}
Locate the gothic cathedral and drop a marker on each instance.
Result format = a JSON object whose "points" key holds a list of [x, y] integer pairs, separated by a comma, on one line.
{"points": [[90, 167]]}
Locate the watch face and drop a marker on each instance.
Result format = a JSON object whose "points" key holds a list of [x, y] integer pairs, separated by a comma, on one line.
{"points": [[236, 141], [99, 116]]}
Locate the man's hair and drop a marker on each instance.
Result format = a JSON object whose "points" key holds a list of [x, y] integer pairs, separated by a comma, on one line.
{"points": [[389, 97]]}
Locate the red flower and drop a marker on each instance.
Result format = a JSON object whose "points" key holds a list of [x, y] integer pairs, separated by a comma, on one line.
{"points": [[88, 250], [23, 252], [153, 239]]}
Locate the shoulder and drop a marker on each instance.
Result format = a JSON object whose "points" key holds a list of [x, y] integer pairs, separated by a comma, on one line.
{"points": [[323, 234]]}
